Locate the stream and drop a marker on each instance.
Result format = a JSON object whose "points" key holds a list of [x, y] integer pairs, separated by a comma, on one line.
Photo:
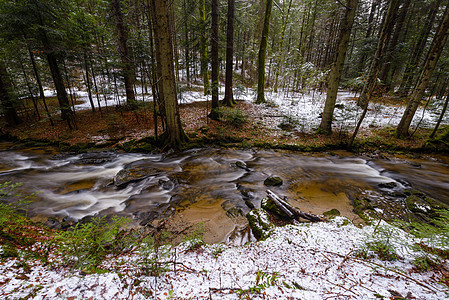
{"points": [[214, 186]]}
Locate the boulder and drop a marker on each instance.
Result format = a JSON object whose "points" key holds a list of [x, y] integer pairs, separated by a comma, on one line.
{"points": [[273, 180], [260, 222], [134, 172], [332, 213], [97, 158]]}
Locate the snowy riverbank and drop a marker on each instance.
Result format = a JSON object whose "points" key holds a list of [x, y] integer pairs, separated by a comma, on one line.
{"points": [[304, 261]]}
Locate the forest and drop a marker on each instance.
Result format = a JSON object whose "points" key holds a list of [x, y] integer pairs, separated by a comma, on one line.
{"points": [[222, 149], [144, 57]]}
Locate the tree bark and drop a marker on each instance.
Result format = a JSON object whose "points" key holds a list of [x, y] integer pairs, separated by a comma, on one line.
{"points": [[373, 72], [337, 68], [6, 98], [203, 47], [418, 50], [369, 31], [174, 134], [263, 53], [370, 85], [125, 53], [229, 96], [214, 60], [432, 58], [389, 54]]}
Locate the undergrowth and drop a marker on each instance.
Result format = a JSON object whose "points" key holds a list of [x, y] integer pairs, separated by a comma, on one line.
{"points": [[85, 246]]}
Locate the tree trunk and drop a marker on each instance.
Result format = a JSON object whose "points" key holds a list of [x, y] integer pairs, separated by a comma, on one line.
{"points": [[174, 134], [443, 111], [214, 60], [6, 98], [125, 53], [394, 41], [262, 54], [370, 85], [88, 84], [369, 31], [66, 112], [203, 47], [39, 84], [373, 72], [418, 50], [335, 75], [432, 58], [229, 96]]}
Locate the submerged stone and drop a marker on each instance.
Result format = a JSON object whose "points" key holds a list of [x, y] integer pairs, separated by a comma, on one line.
{"points": [[388, 185], [332, 213]]}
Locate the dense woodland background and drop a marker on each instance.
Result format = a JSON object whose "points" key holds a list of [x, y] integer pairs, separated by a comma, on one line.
{"points": [[142, 48]]}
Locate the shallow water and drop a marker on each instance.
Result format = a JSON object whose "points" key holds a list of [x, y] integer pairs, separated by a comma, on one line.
{"points": [[206, 185]]}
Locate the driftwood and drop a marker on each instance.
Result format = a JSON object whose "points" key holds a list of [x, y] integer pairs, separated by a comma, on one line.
{"points": [[291, 211]]}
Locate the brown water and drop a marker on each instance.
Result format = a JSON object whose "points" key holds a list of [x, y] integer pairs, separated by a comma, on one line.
{"points": [[206, 185]]}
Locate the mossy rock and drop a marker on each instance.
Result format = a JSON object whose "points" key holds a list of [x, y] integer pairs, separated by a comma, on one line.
{"points": [[423, 208], [273, 180], [240, 164], [260, 222], [269, 205], [332, 213]]}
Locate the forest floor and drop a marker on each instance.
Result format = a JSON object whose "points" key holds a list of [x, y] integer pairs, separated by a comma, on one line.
{"points": [[246, 125], [328, 260]]}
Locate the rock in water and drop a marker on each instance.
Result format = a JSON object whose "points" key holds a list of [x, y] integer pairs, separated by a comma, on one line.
{"points": [[273, 180], [260, 223], [135, 171]]}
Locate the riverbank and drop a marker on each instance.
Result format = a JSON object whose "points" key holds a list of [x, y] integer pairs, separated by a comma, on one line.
{"points": [[245, 126], [303, 261]]}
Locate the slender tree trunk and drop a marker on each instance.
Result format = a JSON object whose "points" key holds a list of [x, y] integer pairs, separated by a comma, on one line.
{"points": [[389, 54], [443, 112], [229, 97], [27, 82], [337, 68], [88, 84], [418, 50], [39, 84], [214, 63], [6, 98], [203, 47], [125, 53], [369, 31], [262, 54], [280, 58], [373, 72], [66, 112], [370, 85], [174, 134], [432, 58]]}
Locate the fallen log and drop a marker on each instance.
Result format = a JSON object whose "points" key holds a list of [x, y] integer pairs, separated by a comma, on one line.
{"points": [[291, 211]]}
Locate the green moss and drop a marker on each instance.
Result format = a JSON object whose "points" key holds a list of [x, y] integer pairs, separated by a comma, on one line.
{"points": [[260, 223], [269, 205], [332, 212]]}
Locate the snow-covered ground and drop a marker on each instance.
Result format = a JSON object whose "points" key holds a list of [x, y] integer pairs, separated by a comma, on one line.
{"points": [[303, 261], [304, 109]]}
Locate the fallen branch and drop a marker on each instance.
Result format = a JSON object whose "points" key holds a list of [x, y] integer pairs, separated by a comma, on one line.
{"points": [[291, 211]]}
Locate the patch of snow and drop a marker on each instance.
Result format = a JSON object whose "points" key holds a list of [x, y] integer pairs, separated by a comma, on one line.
{"points": [[303, 261]]}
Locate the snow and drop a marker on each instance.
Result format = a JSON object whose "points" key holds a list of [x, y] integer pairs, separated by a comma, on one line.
{"points": [[304, 108], [301, 261]]}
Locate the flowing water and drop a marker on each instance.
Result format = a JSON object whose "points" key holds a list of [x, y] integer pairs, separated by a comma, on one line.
{"points": [[214, 186]]}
